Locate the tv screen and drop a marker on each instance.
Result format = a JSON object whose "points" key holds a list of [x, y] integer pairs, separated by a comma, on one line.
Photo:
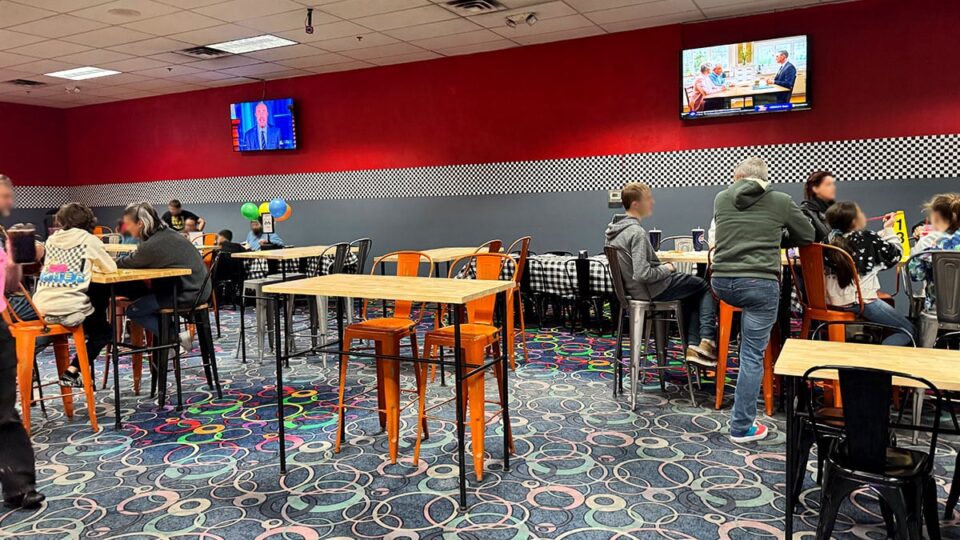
{"points": [[745, 78], [263, 125]]}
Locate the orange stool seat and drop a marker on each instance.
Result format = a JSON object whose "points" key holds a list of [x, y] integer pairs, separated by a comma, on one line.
{"points": [[382, 325]]}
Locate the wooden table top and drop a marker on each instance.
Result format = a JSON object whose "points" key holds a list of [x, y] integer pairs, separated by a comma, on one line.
{"points": [[374, 287], [938, 366], [285, 254], [445, 254], [747, 89], [696, 257], [123, 275], [130, 248]]}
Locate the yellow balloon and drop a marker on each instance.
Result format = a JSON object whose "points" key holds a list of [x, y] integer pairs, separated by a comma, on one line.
{"points": [[264, 208]]}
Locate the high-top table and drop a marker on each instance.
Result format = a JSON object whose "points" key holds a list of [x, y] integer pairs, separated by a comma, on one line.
{"points": [[126, 276], [798, 355], [114, 249], [453, 292], [285, 255], [697, 257]]}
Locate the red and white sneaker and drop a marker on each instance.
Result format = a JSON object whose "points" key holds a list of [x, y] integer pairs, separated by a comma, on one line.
{"points": [[756, 432]]}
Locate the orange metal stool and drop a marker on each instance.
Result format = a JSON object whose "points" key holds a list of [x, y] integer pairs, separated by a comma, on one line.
{"points": [[723, 349]]}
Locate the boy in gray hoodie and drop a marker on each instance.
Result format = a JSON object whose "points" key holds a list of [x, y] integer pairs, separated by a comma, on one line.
{"points": [[646, 278]]}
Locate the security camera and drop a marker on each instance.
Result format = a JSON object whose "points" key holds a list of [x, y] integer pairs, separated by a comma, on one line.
{"points": [[531, 19], [308, 27]]}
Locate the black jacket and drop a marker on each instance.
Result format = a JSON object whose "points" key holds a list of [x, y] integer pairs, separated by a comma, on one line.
{"points": [[170, 249], [816, 211]]}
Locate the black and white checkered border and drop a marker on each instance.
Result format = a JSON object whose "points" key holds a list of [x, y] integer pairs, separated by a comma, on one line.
{"points": [[933, 156]]}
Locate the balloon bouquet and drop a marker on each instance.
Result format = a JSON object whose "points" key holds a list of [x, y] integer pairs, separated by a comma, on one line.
{"points": [[277, 208]]}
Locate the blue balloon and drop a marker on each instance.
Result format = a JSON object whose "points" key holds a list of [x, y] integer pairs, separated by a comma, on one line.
{"points": [[278, 207]]}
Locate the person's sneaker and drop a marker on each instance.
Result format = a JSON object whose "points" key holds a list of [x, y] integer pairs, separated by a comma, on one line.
{"points": [[71, 379], [186, 341], [30, 500], [756, 432], [706, 349], [695, 357]]}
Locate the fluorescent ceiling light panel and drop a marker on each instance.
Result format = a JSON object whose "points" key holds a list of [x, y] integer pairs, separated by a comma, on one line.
{"points": [[251, 44], [82, 73]]}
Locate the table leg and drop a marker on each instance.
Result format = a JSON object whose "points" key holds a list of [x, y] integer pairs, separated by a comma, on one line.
{"points": [[792, 431], [243, 327], [383, 303], [114, 356], [343, 429], [176, 345], [458, 392], [281, 429], [504, 370]]}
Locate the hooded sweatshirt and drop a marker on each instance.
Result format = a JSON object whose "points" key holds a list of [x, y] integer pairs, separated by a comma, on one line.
{"points": [[816, 211], [72, 255], [169, 249], [645, 277], [750, 222]]}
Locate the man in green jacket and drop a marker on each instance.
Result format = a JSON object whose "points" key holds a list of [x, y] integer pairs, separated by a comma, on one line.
{"points": [[750, 222]]}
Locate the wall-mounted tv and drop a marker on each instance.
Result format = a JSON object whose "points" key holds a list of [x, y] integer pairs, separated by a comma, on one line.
{"points": [[263, 125], [745, 78]]}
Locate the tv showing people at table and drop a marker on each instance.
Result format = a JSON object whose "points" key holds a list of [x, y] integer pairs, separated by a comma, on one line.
{"points": [[263, 125], [745, 78]]}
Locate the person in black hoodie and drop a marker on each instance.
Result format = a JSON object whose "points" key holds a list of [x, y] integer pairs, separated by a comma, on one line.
{"points": [[819, 192], [162, 247]]}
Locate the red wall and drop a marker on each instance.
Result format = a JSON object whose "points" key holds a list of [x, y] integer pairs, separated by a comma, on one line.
{"points": [[33, 147], [879, 68]]}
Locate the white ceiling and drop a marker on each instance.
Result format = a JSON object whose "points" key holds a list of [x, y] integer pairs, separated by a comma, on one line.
{"points": [[43, 36]]}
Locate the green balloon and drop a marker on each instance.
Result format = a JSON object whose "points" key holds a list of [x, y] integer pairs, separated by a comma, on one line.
{"points": [[250, 211]]}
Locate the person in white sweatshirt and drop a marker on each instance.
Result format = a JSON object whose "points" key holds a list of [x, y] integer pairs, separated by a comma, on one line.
{"points": [[73, 253]]}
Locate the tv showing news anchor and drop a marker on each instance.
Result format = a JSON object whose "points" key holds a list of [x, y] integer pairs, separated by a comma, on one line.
{"points": [[263, 125], [762, 76]]}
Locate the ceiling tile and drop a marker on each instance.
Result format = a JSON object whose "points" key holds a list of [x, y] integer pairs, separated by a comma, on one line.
{"points": [[51, 48], [9, 39], [10, 59], [150, 46], [352, 9], [146, 8], [642, 11], [94, 57], [122, 78], [407, 17], [155, 84], [167, 72], [291, 20], [404, 58], [435, 29], [255, 70], [288, 74], [172, 58], [225, 62], [348, 66], [584, 6], [133, 64], [41, 66], [745, 8], [58, 26], [108, 37], [12, 14], [63, 6], [477, 47], [235, 10], [201, 77], [215, 34], [181, 21], [383, 51], [229, 81], [550, 10], [284, 53], [572, 33], [455, 40], [190, 4], [326, 31], [316, 61], [544, 27], [649, 22], [370, 39]]}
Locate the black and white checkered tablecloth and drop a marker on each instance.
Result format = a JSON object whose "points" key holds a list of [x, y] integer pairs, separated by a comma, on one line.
{"points": [[313, 266], [555, 274]]}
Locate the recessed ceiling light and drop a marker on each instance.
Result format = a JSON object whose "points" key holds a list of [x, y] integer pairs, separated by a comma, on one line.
{"points": [[124, 12], [82, 73], [251, 44]]}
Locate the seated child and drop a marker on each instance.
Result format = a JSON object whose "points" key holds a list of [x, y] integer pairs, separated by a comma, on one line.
{"points": [[871, 252], [944, 213], [72, 254]]}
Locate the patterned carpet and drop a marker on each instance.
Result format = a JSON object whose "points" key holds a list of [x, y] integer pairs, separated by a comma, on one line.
{"points": [[586, 467]]}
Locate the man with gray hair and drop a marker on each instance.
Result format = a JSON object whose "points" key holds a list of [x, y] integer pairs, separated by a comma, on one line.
{"points": [[750, 220], [786, 76]]}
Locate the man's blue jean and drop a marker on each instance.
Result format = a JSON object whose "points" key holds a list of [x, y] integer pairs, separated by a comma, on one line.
{"points": [[145, 312], [699, 307], [759, 300], [881, 312]]}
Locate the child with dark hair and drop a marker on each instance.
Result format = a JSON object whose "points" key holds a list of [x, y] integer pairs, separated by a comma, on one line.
{"points": [[73, 253], [872, 253], [944, 214]]}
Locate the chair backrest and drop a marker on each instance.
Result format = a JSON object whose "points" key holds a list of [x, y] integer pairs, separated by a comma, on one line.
{"points": [[340, 251], [813, 294], [111, 238], [363, 246], [867, 399], [10, 315], [491, 246], [100, 230], [946, 283], [488, 266], [578, 274], [205, 239], [682, 244], [613, 254], [521, 247], [207, 279], [408, 264]]}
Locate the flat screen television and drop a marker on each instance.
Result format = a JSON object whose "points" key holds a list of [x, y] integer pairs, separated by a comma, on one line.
{"points": [[265, 125], [752, 77]]}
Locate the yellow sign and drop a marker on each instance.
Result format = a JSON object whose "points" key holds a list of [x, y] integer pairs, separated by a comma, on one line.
{"points": [[900, 227]]}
